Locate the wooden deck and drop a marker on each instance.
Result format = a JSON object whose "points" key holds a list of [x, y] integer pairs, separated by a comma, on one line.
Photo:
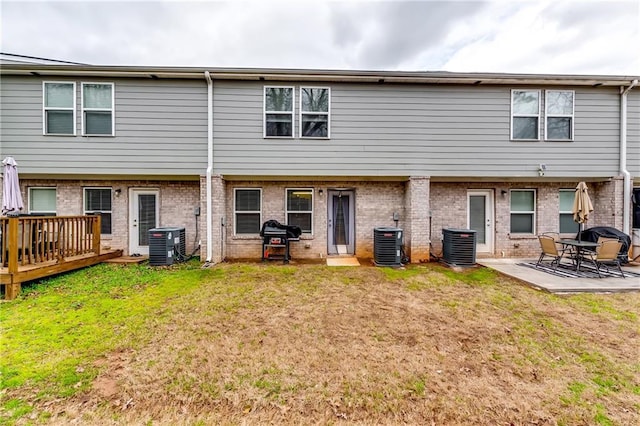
{"points": [[38, 247]]}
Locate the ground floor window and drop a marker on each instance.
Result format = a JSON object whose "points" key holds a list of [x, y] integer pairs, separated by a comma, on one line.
{"points": [[98, 201], [247, 210], [42, 201], [523, 211], [300, 209], [567, 224]]}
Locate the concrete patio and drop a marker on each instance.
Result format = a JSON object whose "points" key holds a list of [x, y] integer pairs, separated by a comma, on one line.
{"points": [[554, 284]]}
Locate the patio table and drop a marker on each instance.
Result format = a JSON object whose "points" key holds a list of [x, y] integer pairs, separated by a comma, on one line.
{"points": [[579, 246]]}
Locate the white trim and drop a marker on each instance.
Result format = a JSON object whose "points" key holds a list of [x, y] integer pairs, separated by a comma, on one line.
{"points": [[286, 206], [112, 110], [45, 108], [84, 202], [265, 112], [235, 212], [533, 213], [134, 241], [327, 113], [513, 115], [571, 191], [547, 115], [30, 199], [489, 245]]}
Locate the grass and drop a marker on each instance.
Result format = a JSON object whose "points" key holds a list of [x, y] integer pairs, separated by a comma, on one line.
{"points": [[308, 344]]}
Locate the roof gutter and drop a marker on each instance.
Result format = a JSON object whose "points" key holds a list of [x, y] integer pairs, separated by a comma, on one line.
{"points": [[626, 191], [209, 225]]}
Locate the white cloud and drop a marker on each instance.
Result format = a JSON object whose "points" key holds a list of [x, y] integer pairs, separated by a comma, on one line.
{"points": [[562, 36]]}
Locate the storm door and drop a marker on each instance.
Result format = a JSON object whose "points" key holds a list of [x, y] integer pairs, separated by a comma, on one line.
{"points": [[341, 221], [480, 218], [144, 212]]}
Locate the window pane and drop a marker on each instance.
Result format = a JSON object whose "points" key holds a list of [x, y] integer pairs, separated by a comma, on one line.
{"points": [[526, 102], [522, 201], [303, 220], [522, 223], [315, 100], [43, 200], [567, 225], [477, 217], [560, 102], [248, 200], [146, 217], [279, 99], [59, 122], [279, 125], [525, 127], [247, 223], [97, 96], [316, 126], [558, 128], [98, 199], [105, 227], [97, 122], [299, 200], [58, 95], [566, 200]]}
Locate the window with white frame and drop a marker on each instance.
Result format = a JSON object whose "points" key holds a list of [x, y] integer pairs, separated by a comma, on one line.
{"points": [[523, 211], [97, 109], [278, 111], [525, 114], [247, 210], [42, 201], [98, 201], [567, 224], [300, 209], [314, 112], [559, 115], [58, 108]]}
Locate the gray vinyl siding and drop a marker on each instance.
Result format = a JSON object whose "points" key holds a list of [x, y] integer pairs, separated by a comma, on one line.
{"points": [[402, 130], [633, 132], [160, 129]]}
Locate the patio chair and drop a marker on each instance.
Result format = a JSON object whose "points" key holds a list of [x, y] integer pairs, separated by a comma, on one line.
{"points": [[606, 254], [550, 249]]}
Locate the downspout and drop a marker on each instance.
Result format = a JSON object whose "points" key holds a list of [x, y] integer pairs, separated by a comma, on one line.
{"points": [[626, 187], [209, 225]]}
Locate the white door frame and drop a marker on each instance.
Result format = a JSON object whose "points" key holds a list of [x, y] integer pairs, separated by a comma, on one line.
{"points": [[332, 248], [134, 241], [490, 231]]}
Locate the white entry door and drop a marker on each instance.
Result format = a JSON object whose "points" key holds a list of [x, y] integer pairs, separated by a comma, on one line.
{"points": [[144, 214], [480, 218]]}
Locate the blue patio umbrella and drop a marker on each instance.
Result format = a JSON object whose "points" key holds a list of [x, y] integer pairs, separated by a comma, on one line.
{"points": [[11, 196]]}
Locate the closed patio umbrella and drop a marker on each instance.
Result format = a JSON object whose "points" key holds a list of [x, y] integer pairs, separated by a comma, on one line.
{"points": [[11, 196], [582, 206]]}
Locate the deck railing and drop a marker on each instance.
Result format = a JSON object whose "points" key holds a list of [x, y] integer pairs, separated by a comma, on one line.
{"points": [[33, 240]]}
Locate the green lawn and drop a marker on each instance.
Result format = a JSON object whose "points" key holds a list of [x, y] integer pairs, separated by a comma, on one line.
{"points": [[309, 344]]}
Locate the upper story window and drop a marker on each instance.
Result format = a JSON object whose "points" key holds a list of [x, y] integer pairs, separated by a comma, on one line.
{"points": [[278, 112], [559, 115], [525, 115], [523, 211], [314, 112], [567, 224], [248, 210], [300, 209], [59, 112], [42, 201], [97, 109], [98, 201]]}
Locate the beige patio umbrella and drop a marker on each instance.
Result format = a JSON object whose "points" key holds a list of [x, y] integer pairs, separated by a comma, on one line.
{"points": [[582, 206]]}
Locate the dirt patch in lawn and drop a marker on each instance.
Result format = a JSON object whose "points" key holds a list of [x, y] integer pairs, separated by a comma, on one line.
{"points": [[308, 344]]}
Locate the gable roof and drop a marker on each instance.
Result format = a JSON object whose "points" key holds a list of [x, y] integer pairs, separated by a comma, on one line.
{"points": [[61, 68]]}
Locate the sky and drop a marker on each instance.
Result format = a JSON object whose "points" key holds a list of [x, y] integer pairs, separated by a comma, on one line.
{"points": [[535, 36]]}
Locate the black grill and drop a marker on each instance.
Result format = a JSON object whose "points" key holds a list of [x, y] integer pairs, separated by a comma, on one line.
{"points": [[459, 246], [277, 236]]}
